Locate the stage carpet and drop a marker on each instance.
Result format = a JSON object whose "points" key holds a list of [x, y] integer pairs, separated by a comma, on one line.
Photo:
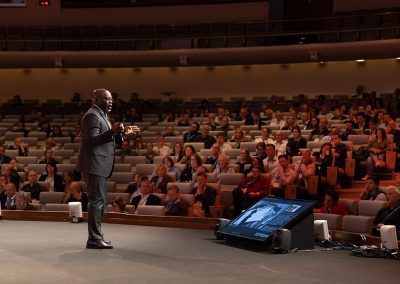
{"points": [[54, 252]]}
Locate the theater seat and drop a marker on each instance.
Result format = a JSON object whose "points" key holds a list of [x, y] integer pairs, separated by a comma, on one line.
{"points": [[151, 210], [334, 220], [370, 207], [56, 207], [51, 197], [357, 224]]}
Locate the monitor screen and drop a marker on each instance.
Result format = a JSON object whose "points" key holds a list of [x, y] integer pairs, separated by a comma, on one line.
{"points": [[262, 219]]}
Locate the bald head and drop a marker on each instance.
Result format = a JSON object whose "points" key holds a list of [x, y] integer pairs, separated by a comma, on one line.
{"points": [[103, 99]]}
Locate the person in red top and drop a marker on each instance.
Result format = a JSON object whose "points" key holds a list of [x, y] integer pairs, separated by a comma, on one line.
{"points": [[251, 189], [332, 205]]}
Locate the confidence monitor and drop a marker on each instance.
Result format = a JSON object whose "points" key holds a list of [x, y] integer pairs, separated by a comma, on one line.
{"points": [[255, 227]]}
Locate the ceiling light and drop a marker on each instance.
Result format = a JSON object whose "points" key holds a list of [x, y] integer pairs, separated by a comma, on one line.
{"points": [[360, 60]]}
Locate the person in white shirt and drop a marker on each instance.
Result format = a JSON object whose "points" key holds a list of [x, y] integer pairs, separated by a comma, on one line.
{"points": [[161, 149], [220, 137], [271, 161], [278, 120], [280, 143], [265, 132]]}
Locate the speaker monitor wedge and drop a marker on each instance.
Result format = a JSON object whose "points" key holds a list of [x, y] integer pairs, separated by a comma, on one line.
{"points": [[389, 237], [281, 240]]}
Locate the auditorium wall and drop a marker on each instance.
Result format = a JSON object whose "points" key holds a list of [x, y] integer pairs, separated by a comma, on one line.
{"points": [[221, 81]]}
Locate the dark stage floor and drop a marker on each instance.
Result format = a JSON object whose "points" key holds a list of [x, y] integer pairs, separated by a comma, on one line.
{"points": [[53, 252]]}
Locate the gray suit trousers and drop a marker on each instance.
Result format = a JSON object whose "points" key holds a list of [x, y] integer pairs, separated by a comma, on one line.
{"points": [[97, 200]]}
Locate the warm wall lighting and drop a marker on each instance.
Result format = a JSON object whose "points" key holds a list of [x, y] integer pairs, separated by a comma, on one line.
{"points": [[398, 58], [360, 60]]}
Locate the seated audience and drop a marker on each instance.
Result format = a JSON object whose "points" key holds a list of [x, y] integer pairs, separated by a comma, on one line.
{"points": [[67, 178], [280, 143], [390, 215], [322, 131], [20, 146], [238, 138], [22, 202], [250, 190], [75, 194], [48, 157], [177, 152], [282, 176], [118, 205], [339, 152], [371, 190], [171, 169], [126, 149], [174, 206], [149, 153], [223, 166], [161, 180], [377, 151], [133, 116], [271, 160], [12, 175], [3, 196], [169, 131], [204, 196], [190, 169], [205, 137], [244, 159], [265, 137], [51, 177], [11, 189], [295, 143], [33, 186], [220, 138], [134, 187], [215, 152], [4, 159], [332, 205], [193, 134], [161, 149], [145, 197], [187, 153], [57, 132], [290, 123], [16, 166], [137, 145]]}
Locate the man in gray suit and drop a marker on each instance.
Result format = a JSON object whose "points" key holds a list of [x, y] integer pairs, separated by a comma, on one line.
{"points": [[96, 160]]}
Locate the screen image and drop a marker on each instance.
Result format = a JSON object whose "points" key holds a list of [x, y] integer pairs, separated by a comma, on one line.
{"points": [[261, 220]]}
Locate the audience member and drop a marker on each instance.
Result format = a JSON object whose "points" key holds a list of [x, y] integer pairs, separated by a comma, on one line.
{"points": [[177, 152], [22, 202], [57, 132], [145, 196], [12, 175], [265, 136], [371, 190], [4, 159], [11, 189], [137, 145], [220, 140], [149, 153], [282, 176], [238, 138], [223, 166], [171, 169], [295, 143], [174, 205], [250, 190], [20, 146], [390, 215], [133, 116], [187, 153], [161, 149], [205, 137], [161, 180], [332, 205], [280, 143], [48, 157], [118, 205], [204, 196], [75, 194], [243, 159], [193, 134], [377, 150], [215, 152], [126, 149], [187, 173], [33, 186], [3, 196], [52, 178]]}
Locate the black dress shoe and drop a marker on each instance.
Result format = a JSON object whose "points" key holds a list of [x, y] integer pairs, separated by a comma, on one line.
{"points": [[98, 244], [107, 242]]}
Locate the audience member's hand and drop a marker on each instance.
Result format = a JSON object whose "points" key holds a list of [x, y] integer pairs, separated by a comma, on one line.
{"points": [[117, 127]]}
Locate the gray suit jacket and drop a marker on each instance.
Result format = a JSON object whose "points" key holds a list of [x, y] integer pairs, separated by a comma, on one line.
{"points": [[96, 153]]}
